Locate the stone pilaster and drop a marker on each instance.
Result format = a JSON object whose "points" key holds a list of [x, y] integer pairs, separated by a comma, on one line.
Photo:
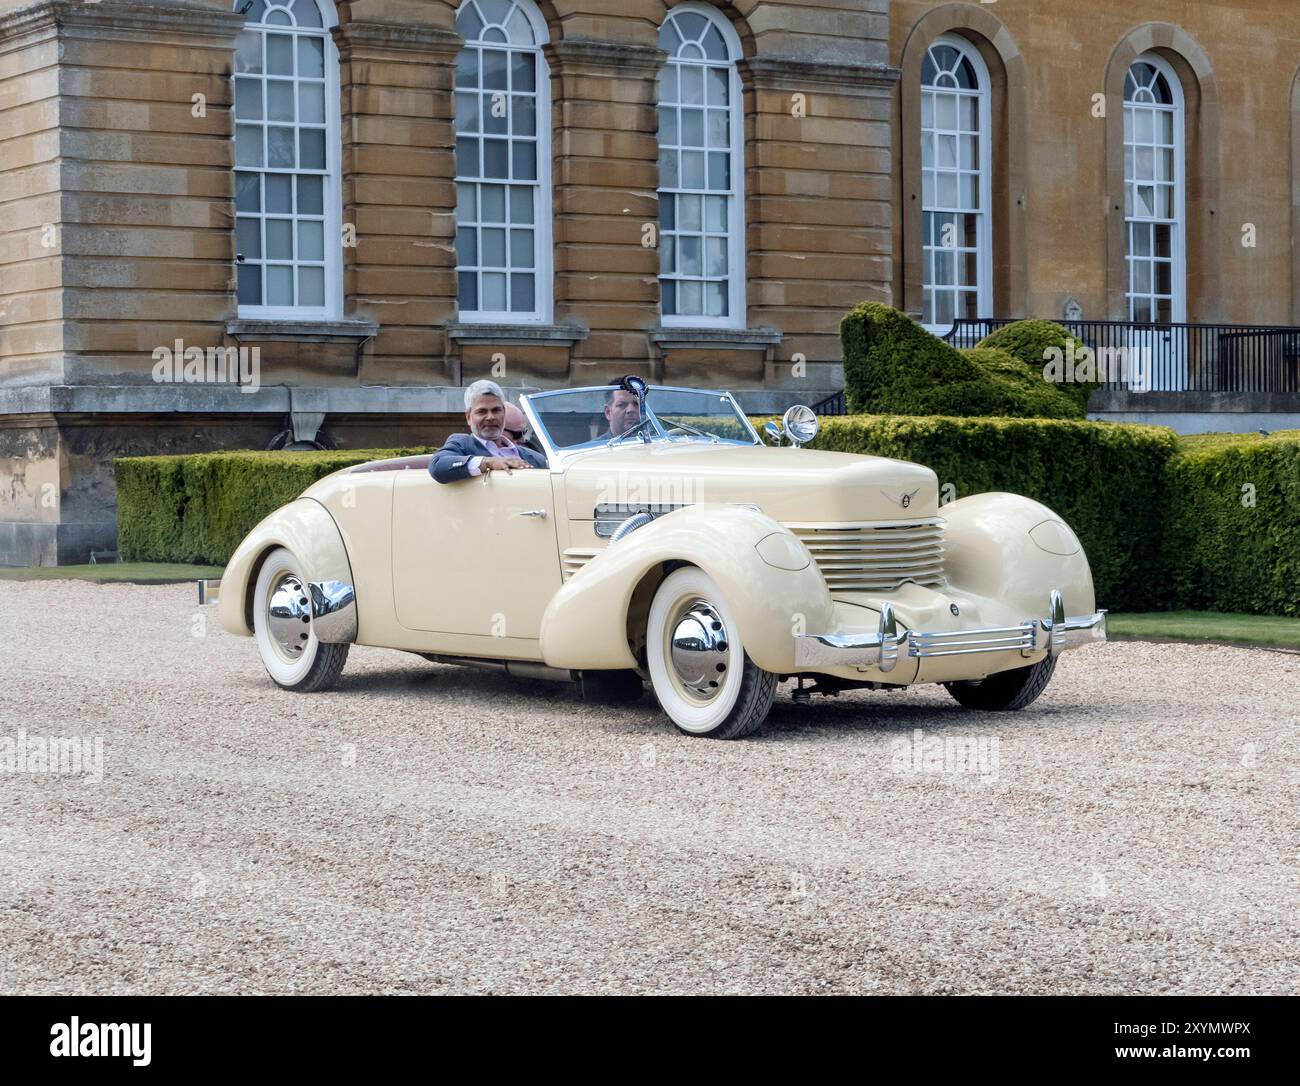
{"points": [[399, 192], [605, 182]]}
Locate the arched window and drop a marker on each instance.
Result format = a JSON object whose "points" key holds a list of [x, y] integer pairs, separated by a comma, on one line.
{"points": [[287, 238], [956, 173], [701, 171], [503, 163], [1153, 192]]}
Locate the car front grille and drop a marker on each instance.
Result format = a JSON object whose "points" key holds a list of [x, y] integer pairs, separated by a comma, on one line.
{"points": [[877, 556]]}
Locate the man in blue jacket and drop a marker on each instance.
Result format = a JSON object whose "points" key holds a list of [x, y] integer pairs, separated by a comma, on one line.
{"points": [[486, 448]]}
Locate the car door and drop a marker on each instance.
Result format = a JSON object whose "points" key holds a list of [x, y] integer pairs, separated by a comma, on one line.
{"points": [[476, 558]]}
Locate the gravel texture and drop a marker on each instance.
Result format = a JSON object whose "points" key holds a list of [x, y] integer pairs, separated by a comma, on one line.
{"points": [[428, 828]]}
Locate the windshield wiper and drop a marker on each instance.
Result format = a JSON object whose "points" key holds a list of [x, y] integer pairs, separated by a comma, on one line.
{"points": [[691, 429], [637, 430]]}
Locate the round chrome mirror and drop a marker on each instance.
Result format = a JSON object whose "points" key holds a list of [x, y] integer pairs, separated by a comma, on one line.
{"points": [[800, 424], [773, 432]]}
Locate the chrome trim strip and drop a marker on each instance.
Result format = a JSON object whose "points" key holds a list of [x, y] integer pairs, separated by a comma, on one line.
{"points": [[1058, 634], [209, 592], [333, 611]]}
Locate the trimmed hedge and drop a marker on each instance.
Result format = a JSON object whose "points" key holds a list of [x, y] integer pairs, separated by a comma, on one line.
{"points": [[1104, 479], [1232, 512], [1030, 341], [894, 366], [197, 508]]}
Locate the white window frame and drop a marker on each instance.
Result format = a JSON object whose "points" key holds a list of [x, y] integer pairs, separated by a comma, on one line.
{"points": [[543, 259], [332, 204], [737, 314], [1178, 233], [984, 227]]}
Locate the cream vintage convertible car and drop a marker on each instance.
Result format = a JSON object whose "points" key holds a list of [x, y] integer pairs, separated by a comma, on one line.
{"points": [[686, 552]]}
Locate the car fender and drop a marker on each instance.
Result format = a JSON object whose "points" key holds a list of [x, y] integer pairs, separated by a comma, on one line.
{"points": [[306, 528], [1015, 550], [585, 624]]}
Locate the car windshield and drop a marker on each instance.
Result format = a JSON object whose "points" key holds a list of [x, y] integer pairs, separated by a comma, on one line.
{"points": [[584, 418]]}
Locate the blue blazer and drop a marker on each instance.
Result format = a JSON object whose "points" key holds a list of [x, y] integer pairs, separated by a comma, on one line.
{"points": [[451, 463]]}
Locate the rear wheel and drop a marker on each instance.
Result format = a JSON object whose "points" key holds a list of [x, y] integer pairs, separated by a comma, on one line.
{"points": [[700, 672], [282, 627], [1007, 689]]}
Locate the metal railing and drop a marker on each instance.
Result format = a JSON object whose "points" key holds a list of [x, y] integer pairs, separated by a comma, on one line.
{"points": [[1174, 357]]}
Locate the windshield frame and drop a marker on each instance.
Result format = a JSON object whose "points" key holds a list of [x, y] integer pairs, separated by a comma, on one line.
{"points": [[658, 433]]}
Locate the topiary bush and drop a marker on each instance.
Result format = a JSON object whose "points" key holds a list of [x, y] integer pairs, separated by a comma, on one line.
{"points": [[199, 507], [894, 366], [1032, 343]]}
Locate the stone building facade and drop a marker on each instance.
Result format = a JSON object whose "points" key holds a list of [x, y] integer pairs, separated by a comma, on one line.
{"points": [[391, 198]]}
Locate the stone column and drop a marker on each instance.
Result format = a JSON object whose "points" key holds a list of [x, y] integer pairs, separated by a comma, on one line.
{"points": [[399, 193], [605, 179]]}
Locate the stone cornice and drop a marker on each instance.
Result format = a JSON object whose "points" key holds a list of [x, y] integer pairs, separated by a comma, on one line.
{"points": [[47, 18], [604, 56], [788, 73], [359, 36]]}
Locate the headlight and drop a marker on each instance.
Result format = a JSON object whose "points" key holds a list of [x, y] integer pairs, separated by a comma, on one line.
{"points": [[800, 424]]}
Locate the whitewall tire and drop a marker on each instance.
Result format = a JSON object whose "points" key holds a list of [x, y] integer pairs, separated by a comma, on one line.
{"points": [[282, 627], [704, 680]]}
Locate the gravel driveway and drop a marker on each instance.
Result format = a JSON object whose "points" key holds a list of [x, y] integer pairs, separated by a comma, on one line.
{"points": [[429, 828]]}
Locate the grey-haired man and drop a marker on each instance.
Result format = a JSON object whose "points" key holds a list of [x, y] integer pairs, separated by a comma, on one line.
{"points": [[486, 448]]}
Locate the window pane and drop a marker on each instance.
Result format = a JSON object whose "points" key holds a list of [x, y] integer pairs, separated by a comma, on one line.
{"points": [[466, 202], [521, 248], [493, 200], [467, 246], [311, 148], [494, 291], [279, 54], [248, 238], [248, 99], [311, 57], [690, 298], [279, 194], [495, 162], [467, 290], [523, 68], [248, 192], [523, 115], [279, 147], [279, 285], [717, 86], [248, 145], [466, 112], [522, 294], [525, 161], [279, 239], [688, 212], [692, 169], [248, 52], [311, 103], [494, 248], [250, 284], [311, 240], [716, 213], [311, 286], [467, 164], [311, 196], [693, 127], [279, 100], [521, 204], [494, 69]]}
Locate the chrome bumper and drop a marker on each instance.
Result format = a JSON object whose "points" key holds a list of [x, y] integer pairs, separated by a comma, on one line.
{"points": [[1055, 633], [209, 592]]}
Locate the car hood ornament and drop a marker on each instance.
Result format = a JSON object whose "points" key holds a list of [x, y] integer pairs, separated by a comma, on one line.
{"points": [[903, 497]]}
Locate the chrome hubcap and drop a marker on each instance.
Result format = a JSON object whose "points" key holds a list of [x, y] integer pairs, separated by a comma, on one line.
{"points": [[698, 648], [288, 616]]}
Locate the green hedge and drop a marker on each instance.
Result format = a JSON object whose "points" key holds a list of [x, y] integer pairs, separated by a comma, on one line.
{"points": [[1030, 341], [1232, 513], [894, 366], [1104, 479], [197, 508]]}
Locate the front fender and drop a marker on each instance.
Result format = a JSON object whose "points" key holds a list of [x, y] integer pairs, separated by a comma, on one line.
{"points": [[585, 624], [1015, 550], [303, 526]]}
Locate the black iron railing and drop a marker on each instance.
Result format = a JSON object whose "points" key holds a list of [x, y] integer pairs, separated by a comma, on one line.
{"points": [[1173, 357]]}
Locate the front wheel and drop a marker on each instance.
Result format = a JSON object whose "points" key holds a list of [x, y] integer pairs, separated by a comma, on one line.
{"points": [[282, 627], [700, 672], [1007, 689]]}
